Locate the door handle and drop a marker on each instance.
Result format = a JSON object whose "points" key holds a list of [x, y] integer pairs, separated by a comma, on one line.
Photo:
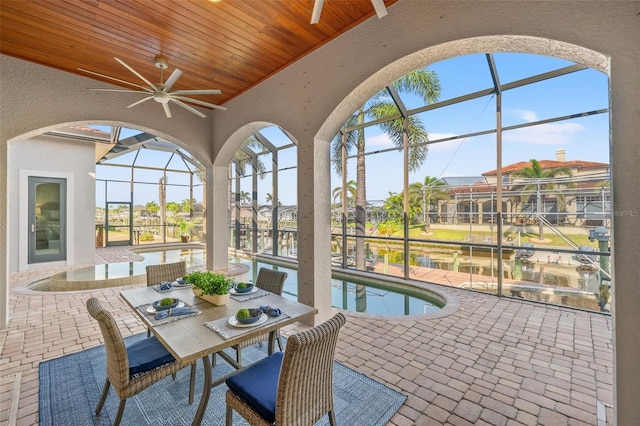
{"points": [[33, 227]]}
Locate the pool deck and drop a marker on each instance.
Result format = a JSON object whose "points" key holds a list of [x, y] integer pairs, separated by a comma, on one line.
{"points": [[484, 361]]}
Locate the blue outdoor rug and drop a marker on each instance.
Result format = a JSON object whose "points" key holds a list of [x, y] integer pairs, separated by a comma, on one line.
{"points": [[70, 388]]}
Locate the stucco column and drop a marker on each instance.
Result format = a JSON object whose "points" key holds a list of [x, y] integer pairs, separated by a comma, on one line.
{"points": [[314, 228], [217, 219], [4, 242], [625, 158]]}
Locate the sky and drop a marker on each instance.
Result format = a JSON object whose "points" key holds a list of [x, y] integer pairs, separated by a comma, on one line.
{"points": [[583, 138]]}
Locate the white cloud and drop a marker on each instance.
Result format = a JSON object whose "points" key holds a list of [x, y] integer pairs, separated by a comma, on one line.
{"points": [[526, 115], [379, 140], [383, 140], [543, 134]]}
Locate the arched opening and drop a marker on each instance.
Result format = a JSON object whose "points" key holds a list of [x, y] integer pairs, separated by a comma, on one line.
{"points": [[507, 114], [110, 205]]}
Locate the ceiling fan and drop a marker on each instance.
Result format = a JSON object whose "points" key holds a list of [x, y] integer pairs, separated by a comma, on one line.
{"points": [[378, 5], [161, 92]]}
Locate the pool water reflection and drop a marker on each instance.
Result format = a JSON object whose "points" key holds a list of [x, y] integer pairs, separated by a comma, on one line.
{"points": [[361, 296], [352, 295]]}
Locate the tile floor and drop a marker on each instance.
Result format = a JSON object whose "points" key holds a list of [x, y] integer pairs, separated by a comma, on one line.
{"points": [[483, 360]]}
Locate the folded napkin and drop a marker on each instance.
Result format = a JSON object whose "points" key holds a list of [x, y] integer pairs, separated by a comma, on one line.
{"points": [[271, 311], [175, 312], [169, 286], [166, 286]]}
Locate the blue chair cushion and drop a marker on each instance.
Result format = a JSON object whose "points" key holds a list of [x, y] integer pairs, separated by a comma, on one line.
{"points": [[147, 354], [257, 386]]}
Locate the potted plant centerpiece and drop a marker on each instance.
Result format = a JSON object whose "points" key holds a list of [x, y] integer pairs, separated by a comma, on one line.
{"points": [[210, 286], [185, 228]]}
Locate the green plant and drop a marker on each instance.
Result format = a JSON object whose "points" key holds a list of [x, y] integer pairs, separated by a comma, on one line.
{"points": [[146, 236], [243, 313], [184, 227], [166, 301], [241, 286], [209, 283]]}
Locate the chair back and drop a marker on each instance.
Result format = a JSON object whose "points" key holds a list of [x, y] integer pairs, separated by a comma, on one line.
{"points": [[117, 360], [271, 280], [166, 272], [305, 386]]}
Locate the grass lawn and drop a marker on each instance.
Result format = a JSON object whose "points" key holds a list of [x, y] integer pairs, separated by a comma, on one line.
{"points": [[416, 231]]}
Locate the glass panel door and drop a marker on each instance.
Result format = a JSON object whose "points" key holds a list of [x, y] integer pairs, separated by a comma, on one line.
{"points": [[47, 219], [119, 222]]}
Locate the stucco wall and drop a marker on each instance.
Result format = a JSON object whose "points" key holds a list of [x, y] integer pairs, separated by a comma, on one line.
{"points": [[51, 157], [314, 96]]}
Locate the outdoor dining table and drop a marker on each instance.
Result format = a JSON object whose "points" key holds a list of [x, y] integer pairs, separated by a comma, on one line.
{"points": [[189, 339]]}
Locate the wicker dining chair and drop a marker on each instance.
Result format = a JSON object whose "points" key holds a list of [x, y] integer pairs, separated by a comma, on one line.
{"points": [[272, 281], [290, 388], [132, 368], [166, 272]]}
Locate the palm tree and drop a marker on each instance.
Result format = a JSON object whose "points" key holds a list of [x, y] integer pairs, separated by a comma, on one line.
{"points": [[351, 192], [243, 159], [269, 199], [423, 83], [394, 205], [245, 197], [173, 208], [185, 206], [540, 180], [152, 207]]}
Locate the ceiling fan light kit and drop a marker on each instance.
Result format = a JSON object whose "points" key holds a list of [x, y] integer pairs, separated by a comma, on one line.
{"points": [[161, 92], [161, 62]]}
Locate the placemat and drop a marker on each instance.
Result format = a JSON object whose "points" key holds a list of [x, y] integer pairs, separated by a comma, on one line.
{"points": [[155, 322], [259, 293], [174, 286], [227, 331]]}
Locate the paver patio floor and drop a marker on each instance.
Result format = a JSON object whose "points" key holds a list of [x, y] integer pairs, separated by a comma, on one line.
{"points": [[483, 360]]}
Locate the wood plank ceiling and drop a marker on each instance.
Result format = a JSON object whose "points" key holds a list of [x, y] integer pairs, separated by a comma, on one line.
{"points": [[229, 45]]}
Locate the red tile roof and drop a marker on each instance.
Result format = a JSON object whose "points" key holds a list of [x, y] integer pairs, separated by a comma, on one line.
{"points": [[547, 164]]}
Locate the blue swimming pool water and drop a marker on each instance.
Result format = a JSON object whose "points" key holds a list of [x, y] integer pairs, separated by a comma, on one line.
{"points": [[354, 296], [365, 297]]}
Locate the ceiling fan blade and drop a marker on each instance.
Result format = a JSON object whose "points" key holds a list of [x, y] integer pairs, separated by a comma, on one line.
{"points": [[188, 108], [167, 111], [140, 76], [140, 101], [112, 78], [380, 8], [197, 102], [197, 92], [122, 90], [175, 75], [317, 10]]}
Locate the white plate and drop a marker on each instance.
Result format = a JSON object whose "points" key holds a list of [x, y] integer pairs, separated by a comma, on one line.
{"points": [[235, 293], [234, 322], [151, 310]]}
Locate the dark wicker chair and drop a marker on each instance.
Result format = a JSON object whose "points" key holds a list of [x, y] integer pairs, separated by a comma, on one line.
{"points": [[290, 388], [272, 281], [133, 368]]}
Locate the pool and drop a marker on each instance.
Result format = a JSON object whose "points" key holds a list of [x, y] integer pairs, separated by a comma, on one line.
{"points": [[122, 273], [361, 295], [365, 296]]}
